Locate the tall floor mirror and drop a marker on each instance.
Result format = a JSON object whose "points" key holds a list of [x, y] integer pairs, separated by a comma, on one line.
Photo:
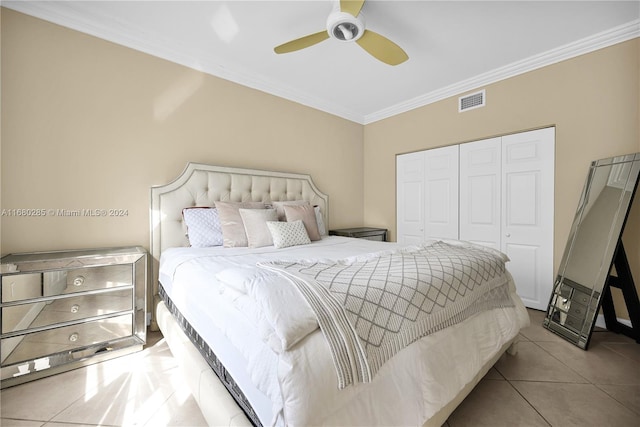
{"points": [[594, 251]]}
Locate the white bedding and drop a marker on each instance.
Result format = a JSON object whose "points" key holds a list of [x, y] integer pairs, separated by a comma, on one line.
{"points": [[287, 373]]}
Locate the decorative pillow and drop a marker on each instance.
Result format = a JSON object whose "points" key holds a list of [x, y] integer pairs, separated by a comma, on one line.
{"points": [[203, 226], [233, 234], [307, 214], [279, 206], [322, 229], [255, 226], [287, 234]]}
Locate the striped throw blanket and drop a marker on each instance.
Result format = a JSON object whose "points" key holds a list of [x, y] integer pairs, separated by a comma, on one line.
{"points": [[369, 308]]}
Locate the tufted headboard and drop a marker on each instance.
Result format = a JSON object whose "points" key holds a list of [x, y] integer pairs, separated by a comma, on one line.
{"points": [[202, 185]]}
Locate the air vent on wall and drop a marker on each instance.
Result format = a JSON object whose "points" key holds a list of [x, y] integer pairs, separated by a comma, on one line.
{"points": [[471, 101]]}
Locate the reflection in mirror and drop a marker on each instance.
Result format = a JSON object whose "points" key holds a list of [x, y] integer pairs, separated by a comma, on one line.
{"points": [[32, 307], [594, 242]]}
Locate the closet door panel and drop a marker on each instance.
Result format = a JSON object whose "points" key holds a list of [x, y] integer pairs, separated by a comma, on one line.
{"points": [[527, 212], [480, 185], [522, 219], [523, 265], [497, 192], [441, 193], [410, 193]]}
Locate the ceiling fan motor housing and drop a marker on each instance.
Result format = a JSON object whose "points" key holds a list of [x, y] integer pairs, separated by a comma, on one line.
{"points": [[345, 27]]}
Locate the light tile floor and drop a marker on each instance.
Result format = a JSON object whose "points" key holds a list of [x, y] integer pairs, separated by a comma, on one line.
{"points": [[549, 383]]}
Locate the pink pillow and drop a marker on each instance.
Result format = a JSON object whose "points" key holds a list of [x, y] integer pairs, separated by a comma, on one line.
{"points": [[233, 232], [307, 214], [279, 207]]}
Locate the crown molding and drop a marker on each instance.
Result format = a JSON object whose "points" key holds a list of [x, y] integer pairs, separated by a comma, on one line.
{"points": [[120, 33], [589, 44]]}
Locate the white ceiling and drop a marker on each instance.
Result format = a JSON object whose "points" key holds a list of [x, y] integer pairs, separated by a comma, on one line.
{"points": [[453, 46]]}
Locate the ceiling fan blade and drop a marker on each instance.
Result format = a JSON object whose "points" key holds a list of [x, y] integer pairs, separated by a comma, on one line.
{"points": [[352, 7], [302, 42], [382, 48]]}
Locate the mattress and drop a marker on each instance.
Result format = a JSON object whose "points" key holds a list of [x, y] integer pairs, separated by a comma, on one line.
{"points": [[298, 386]]}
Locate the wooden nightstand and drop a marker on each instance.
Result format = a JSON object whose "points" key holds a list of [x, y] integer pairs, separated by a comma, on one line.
{"points": [[369, 233]]}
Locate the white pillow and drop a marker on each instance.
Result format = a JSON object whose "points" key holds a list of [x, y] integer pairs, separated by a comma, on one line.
{"points": [[287, 234], [255, 225], [203, 227], [233, 234], [321, 227]]}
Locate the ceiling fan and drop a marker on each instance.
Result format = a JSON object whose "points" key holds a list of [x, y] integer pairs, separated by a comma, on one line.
{"points": [[346, 24]]}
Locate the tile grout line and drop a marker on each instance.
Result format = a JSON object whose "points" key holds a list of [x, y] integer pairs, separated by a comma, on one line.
{"points": [[510, 382], [614, 398], [588, 381], [518, 391], [608, 346], [529, 403]]}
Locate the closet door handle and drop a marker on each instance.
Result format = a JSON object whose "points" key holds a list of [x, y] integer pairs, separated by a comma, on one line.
{"points": [[508, 234]]}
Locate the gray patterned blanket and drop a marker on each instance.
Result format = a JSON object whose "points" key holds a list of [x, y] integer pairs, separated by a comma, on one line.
{"points": [[369, 308]]}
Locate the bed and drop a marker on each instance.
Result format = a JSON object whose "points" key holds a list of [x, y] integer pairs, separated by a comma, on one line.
{"points": [[266, 332]]}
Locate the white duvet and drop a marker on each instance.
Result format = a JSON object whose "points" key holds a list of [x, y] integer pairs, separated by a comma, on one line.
{"points": [[287, 369]]}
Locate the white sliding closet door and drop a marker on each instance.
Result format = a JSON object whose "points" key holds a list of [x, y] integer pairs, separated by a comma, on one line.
{"points": [[441, 193], [427, 195], [410, 198], [496, 192], [480, 192], [527, 212]]}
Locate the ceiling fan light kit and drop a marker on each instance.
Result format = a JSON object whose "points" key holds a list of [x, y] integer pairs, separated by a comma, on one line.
{"points": [[346, 24], [345, 27]]}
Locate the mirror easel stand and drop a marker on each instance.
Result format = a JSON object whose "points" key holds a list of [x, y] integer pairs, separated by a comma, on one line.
{"points": [[624, 282]]}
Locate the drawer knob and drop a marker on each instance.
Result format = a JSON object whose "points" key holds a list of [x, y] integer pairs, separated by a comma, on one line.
{"points": [[74, 337], [75, 308], [78, 281]]}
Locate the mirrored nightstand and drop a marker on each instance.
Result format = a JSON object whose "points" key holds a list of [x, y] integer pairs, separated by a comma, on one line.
{"points": [[369, 233], [67, 309]]}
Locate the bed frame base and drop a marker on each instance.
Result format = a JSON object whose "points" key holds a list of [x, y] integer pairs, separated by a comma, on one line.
{"points": [[215, 402], [440, 417], [219, 408]]}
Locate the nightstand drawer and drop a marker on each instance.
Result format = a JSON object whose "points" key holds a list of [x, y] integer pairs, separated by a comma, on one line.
{"points": [[39, 344], [369, 233], [91, 278], [45, 313], [19, 287]]}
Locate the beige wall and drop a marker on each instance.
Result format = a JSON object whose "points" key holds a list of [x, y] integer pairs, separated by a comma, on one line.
{"points": [[91, 124], [592, 100]]}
